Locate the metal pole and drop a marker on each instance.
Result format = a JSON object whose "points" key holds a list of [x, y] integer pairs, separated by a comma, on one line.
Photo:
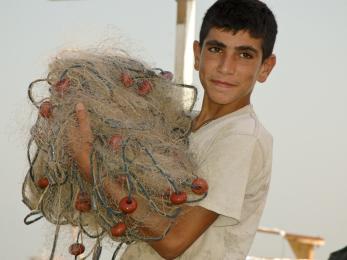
{"points": [[185, 34]]}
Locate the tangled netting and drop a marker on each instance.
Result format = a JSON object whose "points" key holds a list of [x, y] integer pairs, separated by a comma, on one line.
{"points": [[140, 130]]}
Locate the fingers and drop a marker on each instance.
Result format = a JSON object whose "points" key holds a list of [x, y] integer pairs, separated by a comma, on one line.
{"points": [[81, 139], [83, 122]]}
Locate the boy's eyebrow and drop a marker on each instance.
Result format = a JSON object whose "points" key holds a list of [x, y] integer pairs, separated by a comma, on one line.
{"points": [[216, 43], [247, 48]]}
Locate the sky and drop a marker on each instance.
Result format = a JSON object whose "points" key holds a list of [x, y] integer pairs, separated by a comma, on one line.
{"points": [[303, 104]]}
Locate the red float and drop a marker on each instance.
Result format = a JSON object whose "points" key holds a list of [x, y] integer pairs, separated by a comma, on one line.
{"points": [[127, 205], [115, 142], [178, 198], [76, 249], [46, 109], [83, 202], [62, 86], [43, 182], [167, 75], [118, 229], [126, 79], [199, 186], [144, 88]]}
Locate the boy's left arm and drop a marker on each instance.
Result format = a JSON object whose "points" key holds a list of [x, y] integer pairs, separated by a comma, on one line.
{"points": [[188, 227]]}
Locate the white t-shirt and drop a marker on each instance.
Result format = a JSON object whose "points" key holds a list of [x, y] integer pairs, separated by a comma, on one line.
{"points": [[234, 154]]}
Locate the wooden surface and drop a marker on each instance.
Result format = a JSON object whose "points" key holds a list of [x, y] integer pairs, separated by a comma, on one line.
{"points": [[302, 245]]}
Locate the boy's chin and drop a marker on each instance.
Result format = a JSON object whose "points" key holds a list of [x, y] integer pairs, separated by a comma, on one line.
{"points": [[222, 100]]}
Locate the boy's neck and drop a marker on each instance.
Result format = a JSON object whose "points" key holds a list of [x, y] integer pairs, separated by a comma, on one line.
{"points": [[211, 111]]}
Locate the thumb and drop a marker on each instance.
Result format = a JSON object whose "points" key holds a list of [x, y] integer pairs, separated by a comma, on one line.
{"points": [[83, 121]]}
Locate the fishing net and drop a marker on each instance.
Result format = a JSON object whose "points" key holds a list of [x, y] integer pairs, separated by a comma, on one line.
{"points": [[140, 128]]}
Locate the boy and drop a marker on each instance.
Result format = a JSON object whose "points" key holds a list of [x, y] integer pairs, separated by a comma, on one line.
{"points": [[233, 148]]}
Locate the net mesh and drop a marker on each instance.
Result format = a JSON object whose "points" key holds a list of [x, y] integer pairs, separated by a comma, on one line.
{"points": [[140, 128]]}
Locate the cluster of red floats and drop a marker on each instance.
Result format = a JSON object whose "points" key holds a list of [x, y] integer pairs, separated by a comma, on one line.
{"points": [[46, 107], [128, 205], [61, 88], [199, 186], [143, 87]]}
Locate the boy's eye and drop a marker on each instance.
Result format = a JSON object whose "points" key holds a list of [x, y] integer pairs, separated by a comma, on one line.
{"points": [[215, 49], [246, 55]]}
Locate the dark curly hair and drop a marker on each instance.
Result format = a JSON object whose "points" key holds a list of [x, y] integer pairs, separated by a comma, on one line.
{"points": [[250, 15]]}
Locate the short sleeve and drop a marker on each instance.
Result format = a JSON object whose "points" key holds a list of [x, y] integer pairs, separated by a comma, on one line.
{"points": [[227, 169]]}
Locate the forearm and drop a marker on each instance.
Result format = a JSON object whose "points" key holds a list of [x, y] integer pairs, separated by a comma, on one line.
{"points": [[84, 168], [153, 224], [188, 227], [173, 244]]}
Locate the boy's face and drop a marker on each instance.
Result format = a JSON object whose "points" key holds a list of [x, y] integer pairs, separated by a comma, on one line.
{"points": [[229, 66]]}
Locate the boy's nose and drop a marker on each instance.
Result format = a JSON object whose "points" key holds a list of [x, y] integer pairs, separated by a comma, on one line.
{"points": [[227, 64]]}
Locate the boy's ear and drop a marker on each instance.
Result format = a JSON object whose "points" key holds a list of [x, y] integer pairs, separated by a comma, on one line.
{"points": [[266, 68], [197, 52]]}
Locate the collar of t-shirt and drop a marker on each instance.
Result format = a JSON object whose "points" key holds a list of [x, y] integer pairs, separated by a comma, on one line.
{"points": [[243, 110]]}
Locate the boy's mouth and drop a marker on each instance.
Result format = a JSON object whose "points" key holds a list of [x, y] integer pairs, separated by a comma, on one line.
{"points": [[223, 84]]}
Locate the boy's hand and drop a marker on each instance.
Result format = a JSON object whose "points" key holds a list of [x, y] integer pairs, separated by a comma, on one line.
{"points": [[80, 141]]}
